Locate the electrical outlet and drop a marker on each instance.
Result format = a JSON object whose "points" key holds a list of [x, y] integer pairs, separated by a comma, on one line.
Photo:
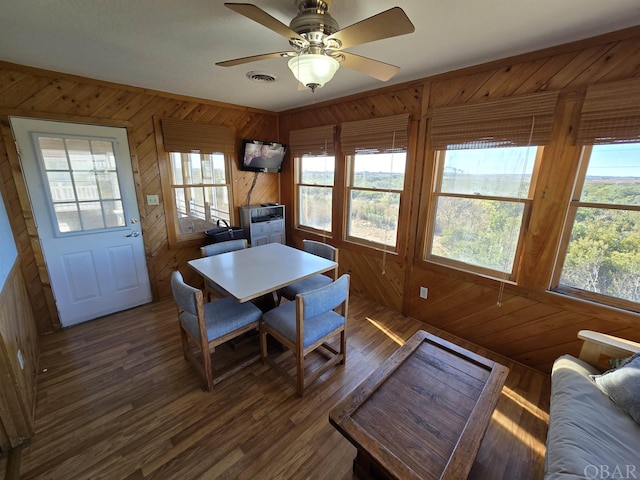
{"points": [[424, 292], [21, 359], [153, 200]]}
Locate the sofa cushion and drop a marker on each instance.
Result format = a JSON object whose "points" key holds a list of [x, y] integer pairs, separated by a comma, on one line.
{"points": [[588, 433], [623, 386]]}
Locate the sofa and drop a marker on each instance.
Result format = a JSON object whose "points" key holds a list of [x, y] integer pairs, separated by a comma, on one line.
{"points": [[590, 435]]}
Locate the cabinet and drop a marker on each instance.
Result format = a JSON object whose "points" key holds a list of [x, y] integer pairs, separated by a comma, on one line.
{"points": [[263, 224]]}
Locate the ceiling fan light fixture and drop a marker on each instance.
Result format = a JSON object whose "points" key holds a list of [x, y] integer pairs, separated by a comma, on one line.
{"points": [[313, 70]]}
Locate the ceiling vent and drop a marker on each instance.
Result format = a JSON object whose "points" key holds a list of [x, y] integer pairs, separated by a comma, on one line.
{"points": [[261, 77]]}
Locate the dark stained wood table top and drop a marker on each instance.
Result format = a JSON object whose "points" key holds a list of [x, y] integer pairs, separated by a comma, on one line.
{"points": [[424, 412]]}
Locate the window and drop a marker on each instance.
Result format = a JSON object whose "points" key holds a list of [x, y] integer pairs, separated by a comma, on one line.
{"points": [[200, 190], [376, 152], [82, 183], [313, 152], [599, 256], [603, 249], [480, 204], [486, 162], [315, 191], [196, 180], [374, 190]]}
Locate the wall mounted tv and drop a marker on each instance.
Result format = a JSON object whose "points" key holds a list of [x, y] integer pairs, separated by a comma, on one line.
{"points": [[259, 156]]}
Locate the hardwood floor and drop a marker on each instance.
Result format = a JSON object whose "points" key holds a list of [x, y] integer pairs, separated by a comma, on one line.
{"points": [[117, 400]]}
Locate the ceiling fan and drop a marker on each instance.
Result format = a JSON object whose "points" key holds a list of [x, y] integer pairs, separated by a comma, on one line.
{"points": [[318, 43]]}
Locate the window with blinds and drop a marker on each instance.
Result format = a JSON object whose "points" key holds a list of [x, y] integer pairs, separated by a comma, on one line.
{"points": [[376, 153], [314, 167], [599, 256], [486, 159], [197, 175]]}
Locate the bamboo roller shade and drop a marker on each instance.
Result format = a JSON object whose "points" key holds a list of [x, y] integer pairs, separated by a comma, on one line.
{"points": [[611, 114], [521, 121], [184, 136], [376, 134], [313, 141]]}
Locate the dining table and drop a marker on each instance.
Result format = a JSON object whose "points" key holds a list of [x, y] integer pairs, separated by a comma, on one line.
{"points": [[254, 272]]}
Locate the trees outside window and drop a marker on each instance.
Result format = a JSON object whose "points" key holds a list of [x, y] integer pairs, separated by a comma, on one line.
{"points": [[480, 207], [315, 182], [601, 248], [374, 190]]}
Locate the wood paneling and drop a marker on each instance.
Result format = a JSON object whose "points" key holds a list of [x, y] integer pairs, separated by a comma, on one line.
{"points": [[17, 383], [118, 400], [530, 325], [42, 94]]}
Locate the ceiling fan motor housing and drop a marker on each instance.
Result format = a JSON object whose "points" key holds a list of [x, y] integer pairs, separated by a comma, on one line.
{"points": [[313, 21]]}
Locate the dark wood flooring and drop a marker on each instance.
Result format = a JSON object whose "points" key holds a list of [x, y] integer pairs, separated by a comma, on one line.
{"points": [[117, 400]]}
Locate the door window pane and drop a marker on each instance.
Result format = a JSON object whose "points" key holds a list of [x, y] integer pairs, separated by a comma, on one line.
{"points": [[61, 186], [108, 185], [79, 152], [86, 186], [91, 215], [54, 153], [113, 213], [68, 217]]}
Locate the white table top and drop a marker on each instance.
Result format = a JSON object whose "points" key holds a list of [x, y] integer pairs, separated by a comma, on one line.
{"points": [[253, 272]]}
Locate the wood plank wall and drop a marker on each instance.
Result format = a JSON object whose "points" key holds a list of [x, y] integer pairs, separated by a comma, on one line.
{"points": [[37, 93], [17, 385], [530, 325]]}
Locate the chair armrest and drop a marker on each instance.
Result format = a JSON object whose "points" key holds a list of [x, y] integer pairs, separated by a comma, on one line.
{"points": [[597, 344]]}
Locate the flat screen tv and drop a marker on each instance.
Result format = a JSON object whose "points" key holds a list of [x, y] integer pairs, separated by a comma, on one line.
{"points": [[259, 156]]}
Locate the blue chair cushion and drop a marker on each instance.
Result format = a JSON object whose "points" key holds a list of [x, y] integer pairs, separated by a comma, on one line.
{"points": [[222, 316], [306, 285], [283, 319]]}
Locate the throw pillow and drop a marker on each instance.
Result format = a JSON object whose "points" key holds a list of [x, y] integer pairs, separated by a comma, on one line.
{"points": [[618, 362], [623, 386]]}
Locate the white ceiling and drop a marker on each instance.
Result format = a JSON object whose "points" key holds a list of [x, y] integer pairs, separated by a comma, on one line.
{"points": [[172, 45]]}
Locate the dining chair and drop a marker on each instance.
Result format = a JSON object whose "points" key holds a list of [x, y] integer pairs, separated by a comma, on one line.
{"points": [[306, 325], [320, 280], [207, 325], [211, 289]]}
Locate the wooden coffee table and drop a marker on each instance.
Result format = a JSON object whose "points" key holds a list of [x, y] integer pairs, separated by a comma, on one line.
{"points": [[423, 413]]}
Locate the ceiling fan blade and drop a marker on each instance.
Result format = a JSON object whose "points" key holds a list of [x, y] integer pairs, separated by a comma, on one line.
{"points": [[390, 23], [263, 18], [380, 70], [254, 58]]}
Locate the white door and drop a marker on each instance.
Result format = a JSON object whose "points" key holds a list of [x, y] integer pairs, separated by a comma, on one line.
{"points": [[82, 194]]}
